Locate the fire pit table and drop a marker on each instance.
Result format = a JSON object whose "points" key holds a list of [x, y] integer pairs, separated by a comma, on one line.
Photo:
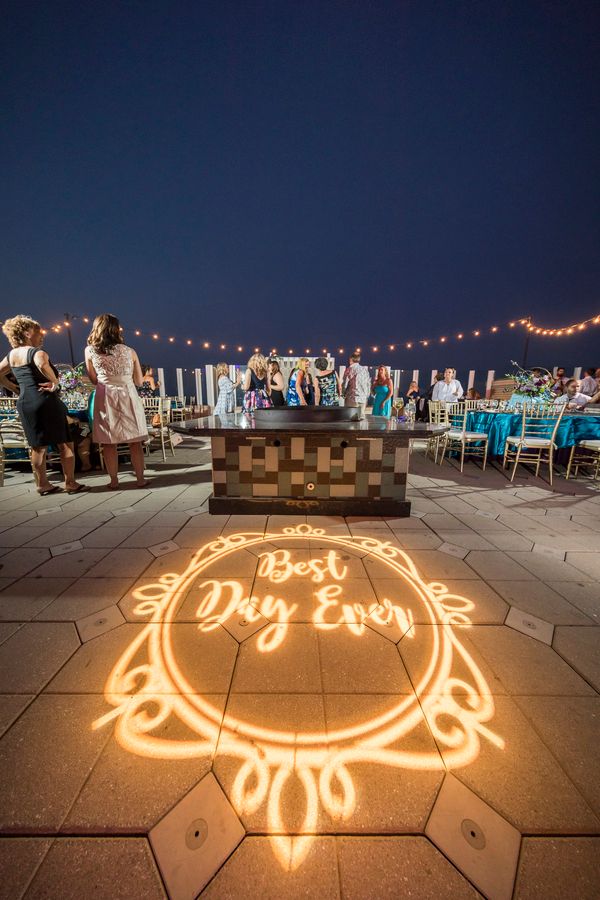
{"points": [[318, 460]]}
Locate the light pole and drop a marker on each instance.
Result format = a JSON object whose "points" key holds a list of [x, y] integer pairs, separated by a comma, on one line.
{"points": [[526, 346], [68, 319]]}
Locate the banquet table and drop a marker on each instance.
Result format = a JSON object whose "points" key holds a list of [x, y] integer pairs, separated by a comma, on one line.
{"points": [[498, 426]]}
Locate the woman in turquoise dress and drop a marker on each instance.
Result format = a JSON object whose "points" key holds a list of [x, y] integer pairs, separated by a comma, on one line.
{"points": [[297, 384], [383, 391]]}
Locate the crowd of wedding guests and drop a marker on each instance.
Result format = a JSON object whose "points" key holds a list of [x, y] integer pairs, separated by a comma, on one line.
{"points": [[120, 381], [263, 386]]}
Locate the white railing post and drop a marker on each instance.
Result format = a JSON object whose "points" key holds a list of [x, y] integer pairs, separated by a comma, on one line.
{"points": [[179, 375], [433, 374], [489, 382], [198, 380], [396, 383], [210, 386], [577, 372], [471, 381], [341, 374], [415, 377], [161, 382]]}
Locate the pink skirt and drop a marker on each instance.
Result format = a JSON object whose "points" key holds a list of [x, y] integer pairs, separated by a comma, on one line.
{"points": [[119, 416]]}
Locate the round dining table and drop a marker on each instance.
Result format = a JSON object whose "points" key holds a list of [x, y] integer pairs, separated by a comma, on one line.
{"points": [[573, 427]]}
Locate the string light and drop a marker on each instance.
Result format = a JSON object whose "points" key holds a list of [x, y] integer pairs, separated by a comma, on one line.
{"points": [[528, 324]]}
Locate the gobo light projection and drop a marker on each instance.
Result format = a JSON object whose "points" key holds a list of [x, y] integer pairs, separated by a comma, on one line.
{"points": [[149, 684]]}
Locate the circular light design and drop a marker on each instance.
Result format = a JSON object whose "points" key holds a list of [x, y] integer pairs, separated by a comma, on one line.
{"points": [[454, 698]]}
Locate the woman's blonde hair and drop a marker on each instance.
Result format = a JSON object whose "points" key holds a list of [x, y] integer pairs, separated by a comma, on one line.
{"points": [[302, 362], [222, 369], [106, 333], [258, 364], [16, 329]]}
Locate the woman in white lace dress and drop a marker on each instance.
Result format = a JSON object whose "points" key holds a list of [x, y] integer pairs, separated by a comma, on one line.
{"points": [[119, 416]]}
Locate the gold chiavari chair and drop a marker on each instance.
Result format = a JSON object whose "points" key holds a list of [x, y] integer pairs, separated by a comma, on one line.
{"points": [[585, 454], [158, 418], [457, 438], [438, 415], [537, 437], [12, 437]]}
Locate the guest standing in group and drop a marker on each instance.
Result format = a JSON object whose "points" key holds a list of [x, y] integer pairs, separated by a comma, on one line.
{"points": [[450, 389], [296, 395], [383, 391], [257, 385], [119, 416], [356, 384], [328, 383], [225, 404], [276, 379], [27, 370]]}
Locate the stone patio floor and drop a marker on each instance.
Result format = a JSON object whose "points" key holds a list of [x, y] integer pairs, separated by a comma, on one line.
{"points": [[195, 704]]}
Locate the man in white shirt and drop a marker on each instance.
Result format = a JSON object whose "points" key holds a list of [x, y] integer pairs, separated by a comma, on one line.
{"points": [[356, 385], [572, 397], [449, 390]]}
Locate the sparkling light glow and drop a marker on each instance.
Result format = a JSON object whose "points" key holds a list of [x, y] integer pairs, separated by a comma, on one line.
{"points": [[453, 694]]}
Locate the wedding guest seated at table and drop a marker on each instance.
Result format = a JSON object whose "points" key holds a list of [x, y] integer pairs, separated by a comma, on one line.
{"points": [[572, 396], [226, 400], [589, 384], [149, 387], [450, 389], [560, 381], [412, 393]]}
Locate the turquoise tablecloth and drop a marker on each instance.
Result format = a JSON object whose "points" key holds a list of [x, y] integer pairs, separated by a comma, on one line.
{"points": [[498, 426]]}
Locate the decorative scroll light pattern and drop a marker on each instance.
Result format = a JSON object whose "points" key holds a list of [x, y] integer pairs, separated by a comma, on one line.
{"points": [[144, 694]]}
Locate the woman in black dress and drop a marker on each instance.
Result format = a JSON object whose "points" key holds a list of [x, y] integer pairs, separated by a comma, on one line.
{"points": [[276, 383], [43, 415]]}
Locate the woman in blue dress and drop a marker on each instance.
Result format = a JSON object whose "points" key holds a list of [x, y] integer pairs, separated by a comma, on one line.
{"points": [[297, 383], [383, 391]]}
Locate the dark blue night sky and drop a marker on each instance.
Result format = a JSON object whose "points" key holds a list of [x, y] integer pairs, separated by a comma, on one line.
{"points": [[304, 174]]}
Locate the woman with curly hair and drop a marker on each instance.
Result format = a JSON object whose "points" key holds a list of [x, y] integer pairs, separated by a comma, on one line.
{"points": [[42, 413], [257, 384], [119, 416]]}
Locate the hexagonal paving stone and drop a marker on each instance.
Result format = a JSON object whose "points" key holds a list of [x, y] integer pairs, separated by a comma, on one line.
{"points": [[103, 868], [390, 867], [556, 868], [580, 646], [47, 756], [262, 870], [33, 654]]}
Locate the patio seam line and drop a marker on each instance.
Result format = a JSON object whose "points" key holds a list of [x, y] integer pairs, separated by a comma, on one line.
{"points": [[532, 725], [570, 664]]}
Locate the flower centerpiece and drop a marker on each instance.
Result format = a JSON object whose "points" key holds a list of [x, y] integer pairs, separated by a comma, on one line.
{"points": [[531, 387], [74, 390]]}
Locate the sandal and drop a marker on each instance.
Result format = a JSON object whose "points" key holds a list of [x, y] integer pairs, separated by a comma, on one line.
{"points": [[51, 490], [78, 489]]}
